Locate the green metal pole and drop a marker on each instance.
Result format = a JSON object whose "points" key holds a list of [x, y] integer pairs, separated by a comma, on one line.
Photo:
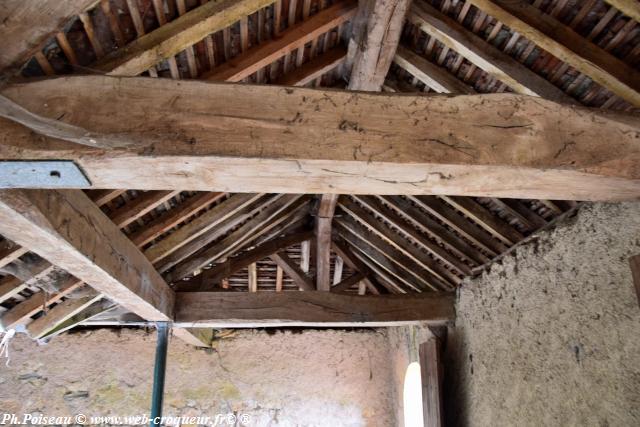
{"points": [[158, 373]]}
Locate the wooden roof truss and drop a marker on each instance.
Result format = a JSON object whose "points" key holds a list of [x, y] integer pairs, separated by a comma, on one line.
{"points": [[385, 251]]}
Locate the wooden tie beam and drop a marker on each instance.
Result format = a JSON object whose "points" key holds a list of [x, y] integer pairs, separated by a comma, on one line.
{"points": [[297, 140]]}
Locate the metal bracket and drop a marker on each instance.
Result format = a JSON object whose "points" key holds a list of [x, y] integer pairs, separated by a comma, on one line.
{"points": [[42, 174]]}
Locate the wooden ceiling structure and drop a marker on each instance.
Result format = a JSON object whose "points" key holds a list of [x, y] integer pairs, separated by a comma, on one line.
{"points": [[375, 205]]}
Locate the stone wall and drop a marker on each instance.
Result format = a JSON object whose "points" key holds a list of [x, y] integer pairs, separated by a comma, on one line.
{"points": [[310, 378], [550, 336]]}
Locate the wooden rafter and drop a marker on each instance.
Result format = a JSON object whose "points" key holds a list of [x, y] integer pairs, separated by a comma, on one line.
{"points": [[482, 54], [425, 223], [317, 67], [346, 147], [274, 214], [141, 206], [235, 264], [174, 217], [409, 231], [26, 26], [440, 274], [345, 256], [435, 77], [451, 218], [630, 8], [567, 45], [10, 252], [347, 283], [200, 226], [68, 229], [404, 265], [498, 228], [222, 227], [177, 35], [215, 309], [289, 40]]}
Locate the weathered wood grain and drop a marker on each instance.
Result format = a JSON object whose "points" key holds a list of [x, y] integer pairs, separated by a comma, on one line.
{"points": [[69, 230], [317, 67], [631, 8], [177, 35], [432, 373], [324, 219], [25, 25], [310, 308], [435, 77], [299, 277], [376, 33], [298, 140], [483, 54], [567, 45], [291, 39]]}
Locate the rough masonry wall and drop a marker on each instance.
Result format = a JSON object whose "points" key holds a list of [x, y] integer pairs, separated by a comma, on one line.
{"points": [[551, 335], [313, 378]]}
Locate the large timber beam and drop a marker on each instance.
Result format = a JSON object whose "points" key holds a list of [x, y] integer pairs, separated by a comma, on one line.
{"points": [[567, 45], [69, 230], [66, 228], [298, 140], [312, 308], [174, 37], [26, 25], [376, 33]]}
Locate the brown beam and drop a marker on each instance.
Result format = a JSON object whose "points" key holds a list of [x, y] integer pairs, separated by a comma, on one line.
{"points": [[482, 54], [324, 218], [27, 26], [375, 36], [435, 77], [297, 140], [177, 35], [200, 226], [345, 254], [289, 40], [631, 8], [235, 264], [70, 231], [243, 309], [141, 206], [567, 45], [347, 283], [432, 373], [172, 218], [293, 270], [316, 68], [268, 218]]}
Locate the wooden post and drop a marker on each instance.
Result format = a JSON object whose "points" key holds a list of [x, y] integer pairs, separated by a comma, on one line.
{"points": [[431, 371]]}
